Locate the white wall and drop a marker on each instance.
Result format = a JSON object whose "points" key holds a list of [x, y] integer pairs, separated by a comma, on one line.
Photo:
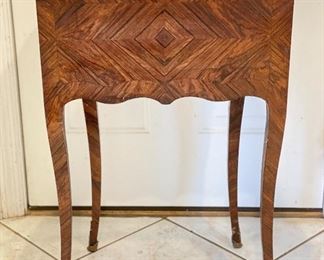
{"points": [[175, 155], [303, 149], [12, 173]]}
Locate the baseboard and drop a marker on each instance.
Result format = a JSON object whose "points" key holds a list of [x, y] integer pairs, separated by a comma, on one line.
{"points": [[178, 211]]}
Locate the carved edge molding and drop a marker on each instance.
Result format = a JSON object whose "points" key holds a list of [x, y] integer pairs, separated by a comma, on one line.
{"points": [[13, 197], [146, 125], [144, 128], [245, 130]]}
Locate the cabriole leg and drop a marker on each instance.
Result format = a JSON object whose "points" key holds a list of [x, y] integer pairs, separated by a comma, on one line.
{"points": [[274, 136], [56, 136], [91, 115], [236, 111]]}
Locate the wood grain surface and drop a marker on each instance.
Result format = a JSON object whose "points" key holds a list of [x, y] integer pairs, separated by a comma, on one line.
{"points": [[111, 51], [235, 120], [91, 116]]}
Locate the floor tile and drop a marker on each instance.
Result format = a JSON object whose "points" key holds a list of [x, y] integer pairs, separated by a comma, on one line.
{"points": [[311, 250], [287, 233], [44, 231], [162, 241], [13, 247]]}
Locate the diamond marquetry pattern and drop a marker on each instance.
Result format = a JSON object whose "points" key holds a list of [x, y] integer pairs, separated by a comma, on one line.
{"points": [[164, 38], [116, 50]]}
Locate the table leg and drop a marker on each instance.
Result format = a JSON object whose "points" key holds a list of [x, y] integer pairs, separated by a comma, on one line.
{"points": [[56, 136], [274, 136], [236, 110], [91, 115]]}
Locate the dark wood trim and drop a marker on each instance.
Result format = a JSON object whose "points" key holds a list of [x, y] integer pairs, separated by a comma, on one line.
{"points": [[168, 208], [114, 211]]}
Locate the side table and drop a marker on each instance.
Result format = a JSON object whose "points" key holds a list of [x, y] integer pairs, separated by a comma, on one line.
{"points": [[112, 51]]}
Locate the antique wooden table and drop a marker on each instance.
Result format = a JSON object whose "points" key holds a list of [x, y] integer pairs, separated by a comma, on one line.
{"points": [[114, 50]]}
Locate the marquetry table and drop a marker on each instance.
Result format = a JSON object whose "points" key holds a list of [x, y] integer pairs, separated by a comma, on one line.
{"points": [[113, 50]]}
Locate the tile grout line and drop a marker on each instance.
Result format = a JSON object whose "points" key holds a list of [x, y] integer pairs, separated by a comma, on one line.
{"points": [[299, 245], [206, 239], [27, 240], [149, 225], [121, 238]]}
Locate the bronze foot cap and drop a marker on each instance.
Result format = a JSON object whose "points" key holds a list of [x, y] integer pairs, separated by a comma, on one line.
{"points": [[236, 240], [237, 244], [93, 247]]}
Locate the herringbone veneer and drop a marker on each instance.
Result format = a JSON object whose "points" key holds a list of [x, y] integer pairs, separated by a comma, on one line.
{"points": [[111, 51]]}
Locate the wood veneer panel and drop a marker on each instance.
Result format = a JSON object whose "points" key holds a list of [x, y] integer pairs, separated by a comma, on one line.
{"points": [[112, 51]]}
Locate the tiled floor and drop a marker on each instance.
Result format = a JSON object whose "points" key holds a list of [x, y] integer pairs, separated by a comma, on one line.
{"points": [[190, 238]]}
